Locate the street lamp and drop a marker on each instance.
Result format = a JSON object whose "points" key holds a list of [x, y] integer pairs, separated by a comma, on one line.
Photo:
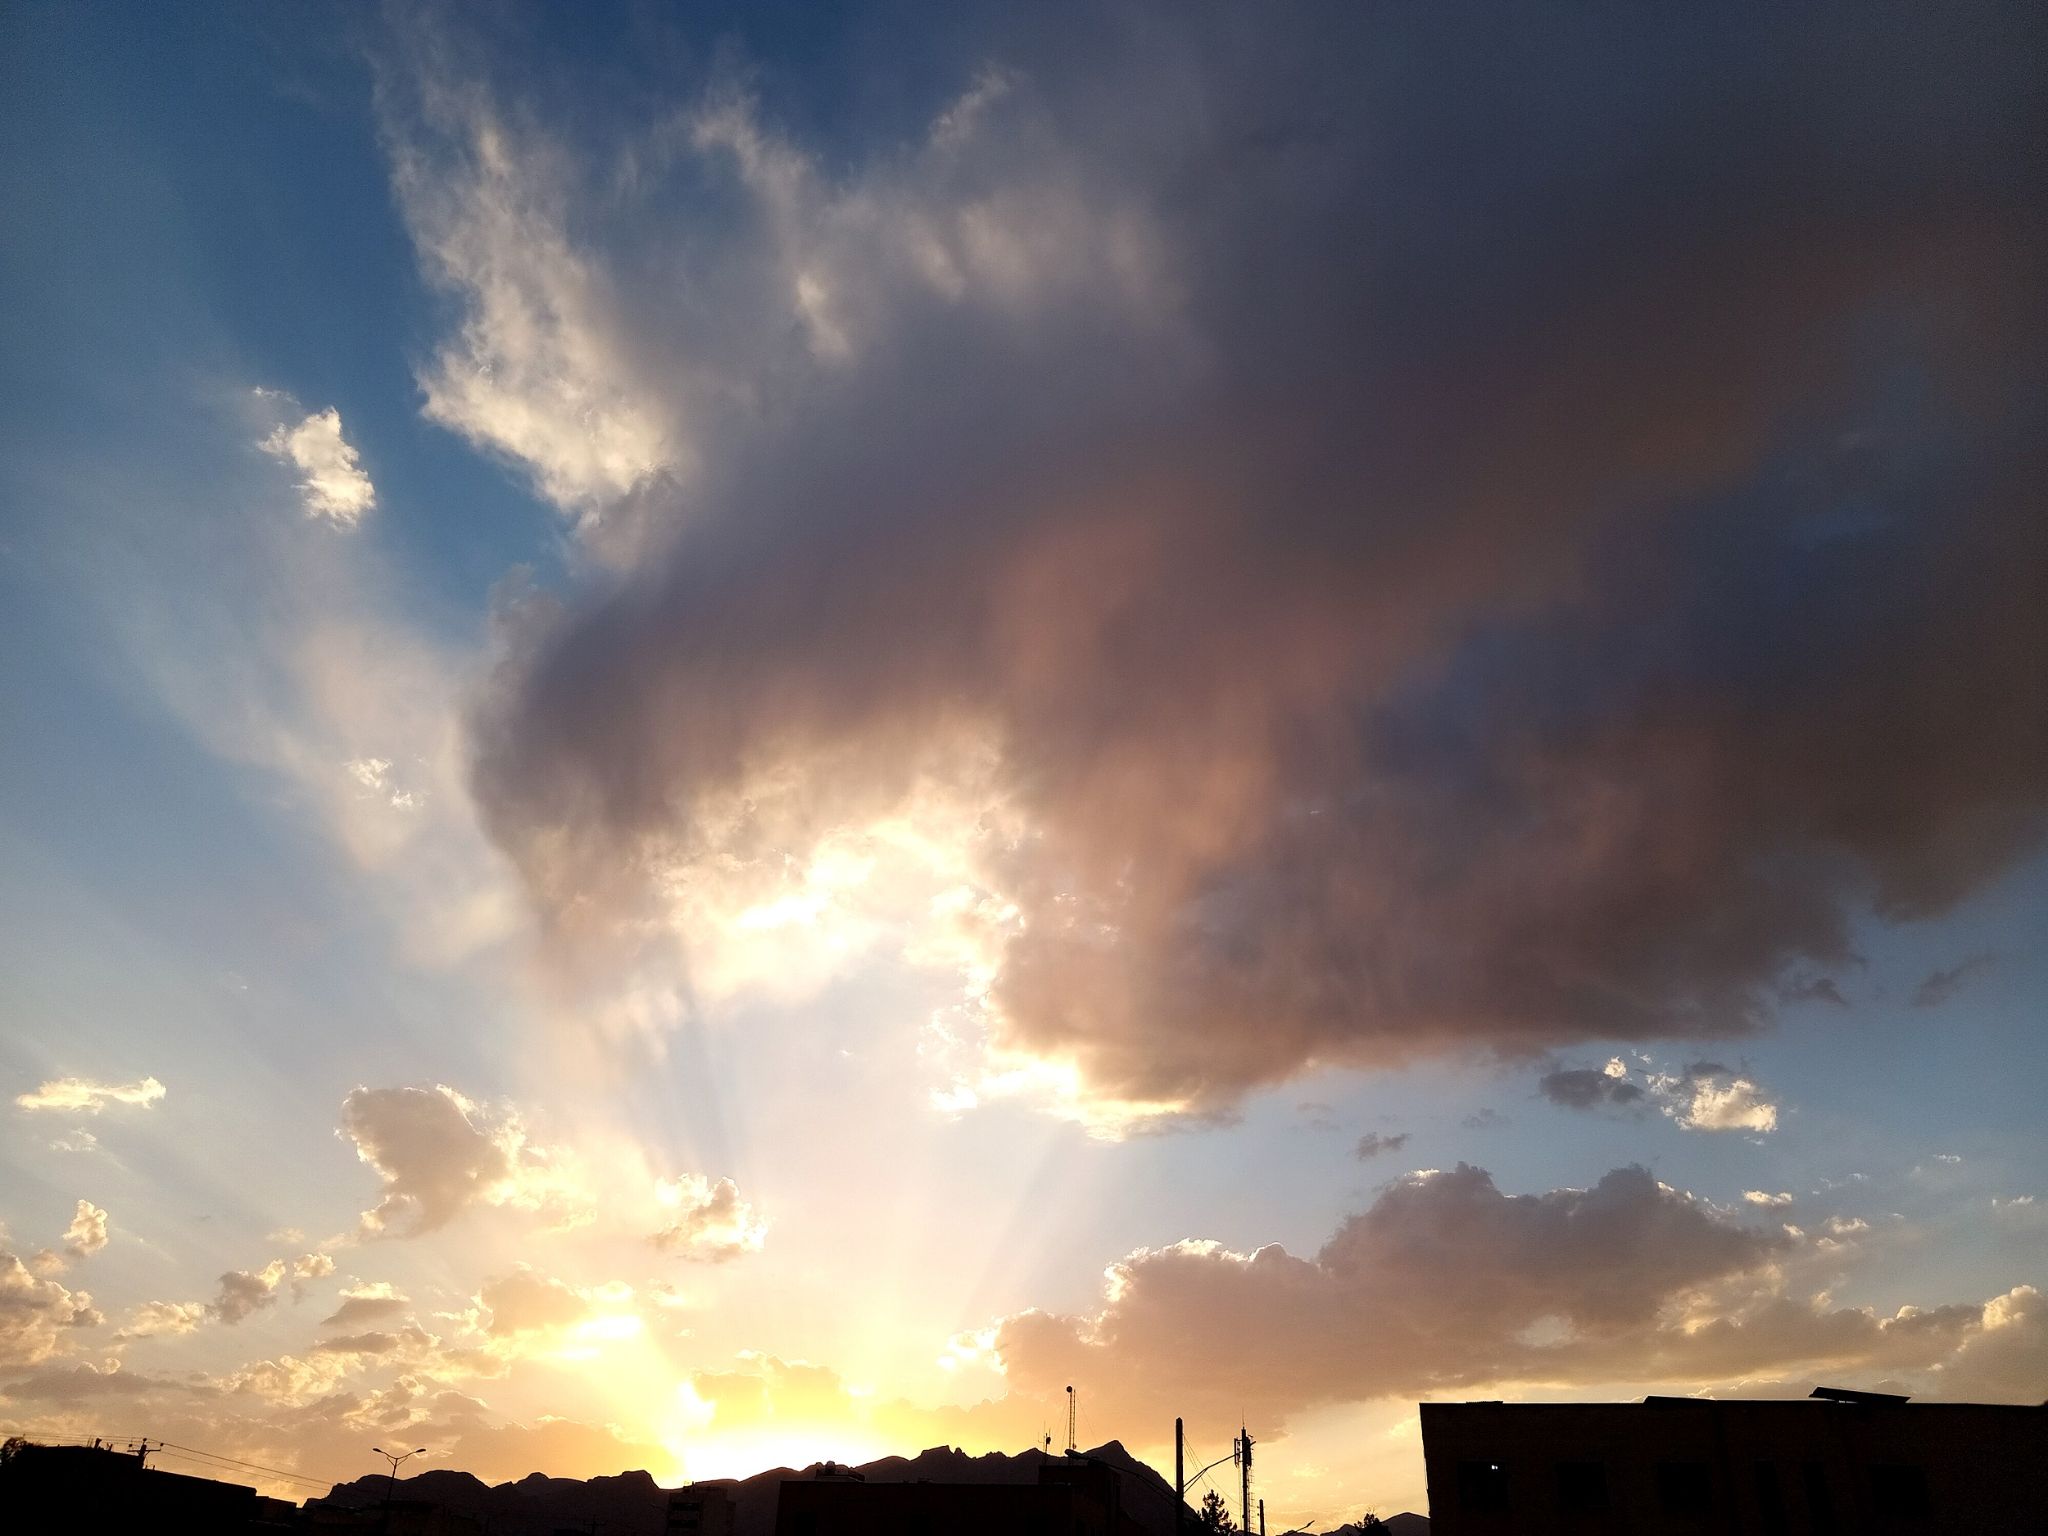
{"points": [[391, 1483]]}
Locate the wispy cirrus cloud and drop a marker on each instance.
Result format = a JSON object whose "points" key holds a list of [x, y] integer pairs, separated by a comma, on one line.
{"points": [[1941, 985], [90, 1097]]}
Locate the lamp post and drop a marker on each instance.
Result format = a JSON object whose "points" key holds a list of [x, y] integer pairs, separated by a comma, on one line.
{"points": [[391, 1482]]}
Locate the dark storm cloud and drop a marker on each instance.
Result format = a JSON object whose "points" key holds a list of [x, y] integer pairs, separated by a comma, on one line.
{"points": [[1528, 525]]}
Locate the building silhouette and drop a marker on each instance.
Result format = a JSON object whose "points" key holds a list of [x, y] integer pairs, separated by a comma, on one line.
{"points": [[72, 1488], [700, 1509], [1838, 1464]]}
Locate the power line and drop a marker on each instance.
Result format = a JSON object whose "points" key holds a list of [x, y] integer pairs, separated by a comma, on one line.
{"points": [[206, 1465], [253, 1466], [277, 1471]]}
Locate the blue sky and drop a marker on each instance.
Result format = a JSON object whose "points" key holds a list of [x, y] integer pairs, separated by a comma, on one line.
{"points": [[700, 706]]}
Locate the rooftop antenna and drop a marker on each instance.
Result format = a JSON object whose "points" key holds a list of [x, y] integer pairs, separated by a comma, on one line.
{"points": [[1070, 1421]]}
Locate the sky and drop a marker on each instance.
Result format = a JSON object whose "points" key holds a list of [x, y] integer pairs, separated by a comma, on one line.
{"points": [[737, 734]]}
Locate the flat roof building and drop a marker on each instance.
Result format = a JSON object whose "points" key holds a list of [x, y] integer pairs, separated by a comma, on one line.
{"points": [[66, 1488], [1837, 1464]]}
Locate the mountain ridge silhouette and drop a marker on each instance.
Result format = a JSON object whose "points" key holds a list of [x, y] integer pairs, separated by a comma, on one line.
{"points": [[632, 1502]]}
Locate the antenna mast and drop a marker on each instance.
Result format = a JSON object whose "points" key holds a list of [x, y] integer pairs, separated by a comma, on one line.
{"points": [[1244, 1472], [1070, 1421]]}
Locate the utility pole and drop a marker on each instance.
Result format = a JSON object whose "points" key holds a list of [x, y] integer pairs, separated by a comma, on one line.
{"points": [[1262, 1517], [1070, 1421], [1180, 1482]]}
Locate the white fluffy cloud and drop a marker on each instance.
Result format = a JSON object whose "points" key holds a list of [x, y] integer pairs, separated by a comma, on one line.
{"points": [[332, 483], [87, 1233], [1766, 1199], [709, 1222], [81, 1093], [1709, 1097]]}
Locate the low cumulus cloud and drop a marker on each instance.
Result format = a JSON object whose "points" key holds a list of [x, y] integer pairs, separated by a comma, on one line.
{"points": [[332, 483], [1591, 1088], [529, 1312], [36, 1312], [154, 1319], [707, 1221], [364, 1304], [307, 1268], [439, 1154], [410, 1342], [2006, 1360], [244, 1291], [526, 1301], [1709, 1097], [79, 1093], [87, 1233], [1373, 1143], [1705, 1096], [1333, 639], [1446, 1284]]}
